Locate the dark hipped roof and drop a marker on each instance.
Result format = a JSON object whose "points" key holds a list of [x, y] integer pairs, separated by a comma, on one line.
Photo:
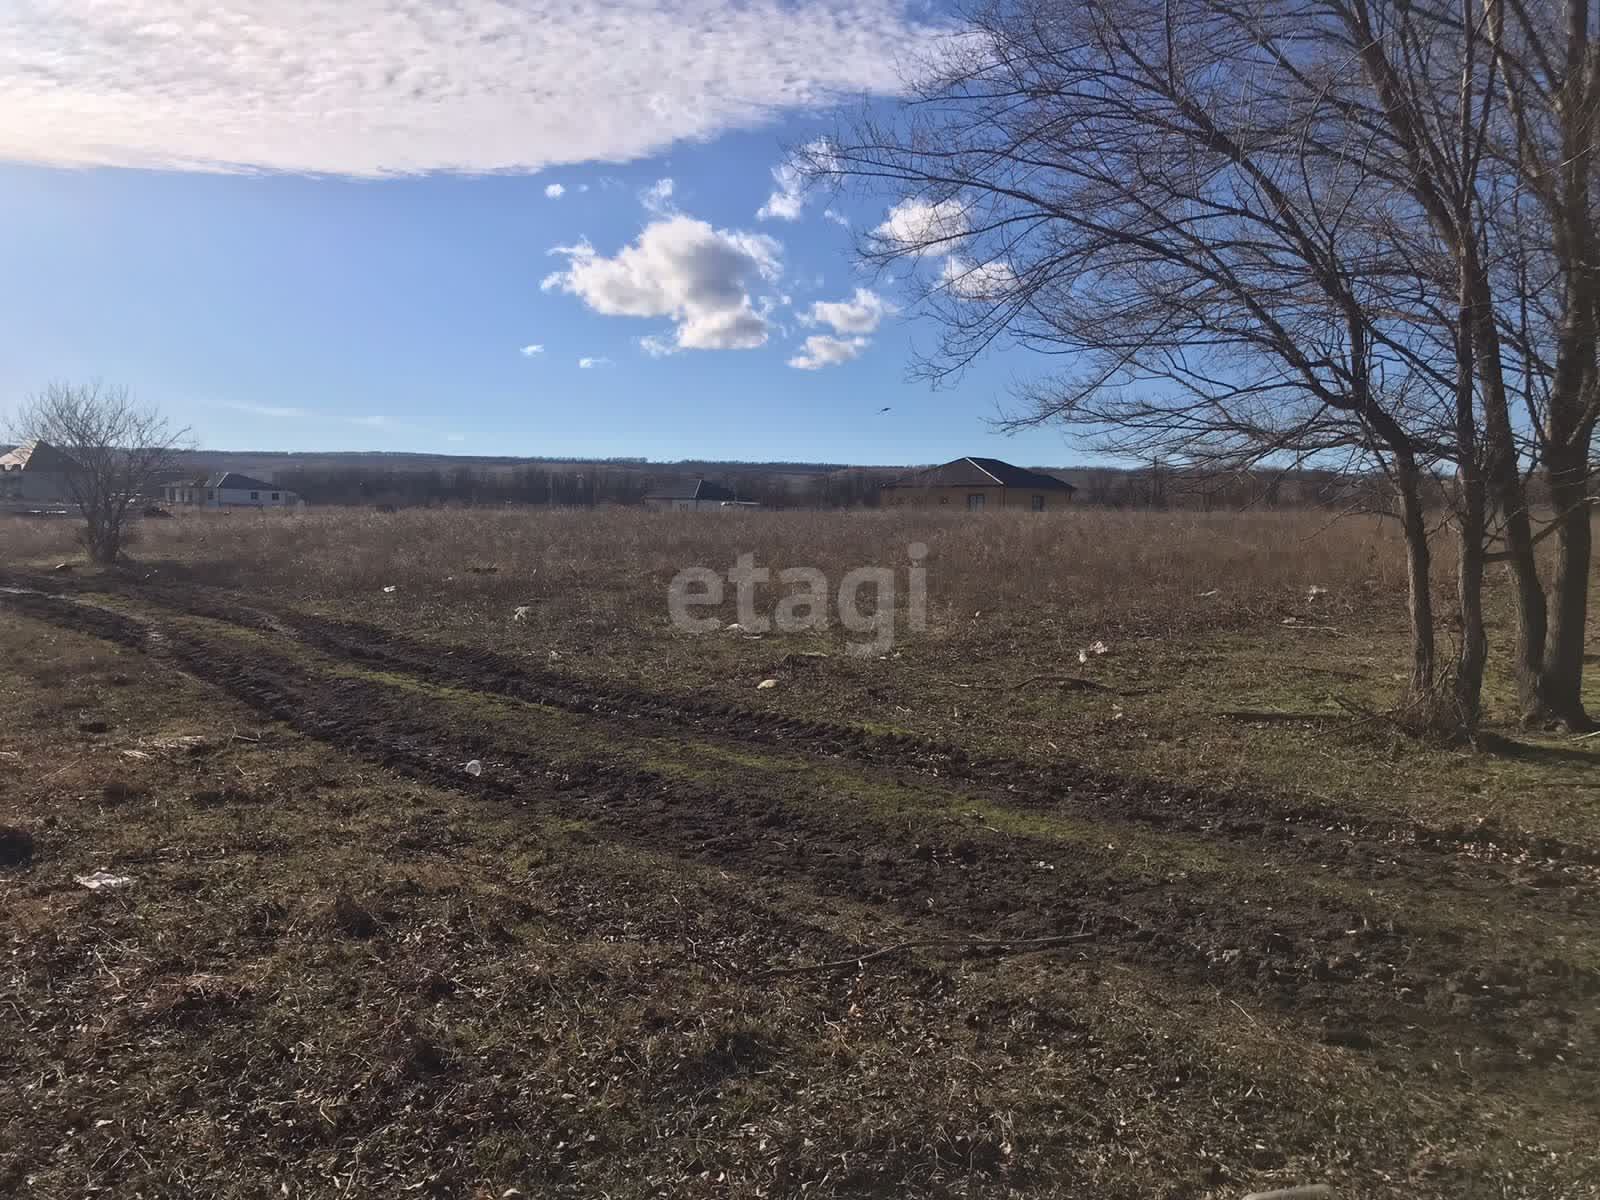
{"points": [[983, 472], [36, 456], [233, 481], [704, 489]]}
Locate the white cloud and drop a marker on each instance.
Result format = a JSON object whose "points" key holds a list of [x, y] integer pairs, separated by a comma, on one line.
{"points": [[387, 424], [919, 225], [786, 203], [455, 437], [682, 268], [860, 314], [532, 350], [789, 199], [278, 412], [739, 328], [825, 351], [590, 363], [658, 196], [977, 281], [555, 191], [837, 218], [657, 346], [379, 87]]}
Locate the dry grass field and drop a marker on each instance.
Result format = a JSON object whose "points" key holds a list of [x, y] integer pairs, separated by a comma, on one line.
{"points": [[1140, 942]]}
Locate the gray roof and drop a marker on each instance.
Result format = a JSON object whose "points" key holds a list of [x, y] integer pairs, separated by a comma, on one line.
{"points": [[982, 472], [233, 481], [36, 456], [703, 489]]}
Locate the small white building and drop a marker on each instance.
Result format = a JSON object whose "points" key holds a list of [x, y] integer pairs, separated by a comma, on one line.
{"points": [[229, 489], [703, 494]]}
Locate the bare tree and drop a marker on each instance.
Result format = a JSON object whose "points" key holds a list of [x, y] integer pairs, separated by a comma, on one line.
{"points": [[1285, 231], [1138, 188], [115, 450], [1486, 114], [1551, 67]]}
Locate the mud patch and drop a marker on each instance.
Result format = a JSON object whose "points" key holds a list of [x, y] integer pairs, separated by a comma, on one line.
{"points": [[16, 847]]}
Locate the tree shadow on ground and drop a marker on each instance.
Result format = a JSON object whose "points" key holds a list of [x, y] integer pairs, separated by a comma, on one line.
{"points": [[1539, 753], [173, 571]]}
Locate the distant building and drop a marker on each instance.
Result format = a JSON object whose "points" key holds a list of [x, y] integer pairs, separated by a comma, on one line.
{"points": [[36, 473], [702, 494], [977, 484], [228, 489]]}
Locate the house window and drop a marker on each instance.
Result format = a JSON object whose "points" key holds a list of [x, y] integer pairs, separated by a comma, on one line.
{"points": [[255, 495], [1038, 504], [274, 495], [211, 494], [975, 502], [944, 499]]}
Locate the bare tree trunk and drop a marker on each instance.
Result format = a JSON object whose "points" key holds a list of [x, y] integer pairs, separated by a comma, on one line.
{"points": [[1419, 596], [1569, 432], [1472, 549], [1563, 652], [1532, 624], [1470, 658], [104, 543], [1502, 474]]}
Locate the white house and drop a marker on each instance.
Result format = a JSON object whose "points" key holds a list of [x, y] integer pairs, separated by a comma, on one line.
{"points": [[229, 489], [704, 494]]}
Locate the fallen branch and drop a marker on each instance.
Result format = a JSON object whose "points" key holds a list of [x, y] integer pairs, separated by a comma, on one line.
{"points": [[1353, 676], [1066, 681], [1273, 715], [1075, 681], [842, 964], [1367, 716]]}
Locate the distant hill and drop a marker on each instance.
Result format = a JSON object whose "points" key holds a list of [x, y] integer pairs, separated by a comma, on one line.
{"points": [[260, 461], [411, 478]]}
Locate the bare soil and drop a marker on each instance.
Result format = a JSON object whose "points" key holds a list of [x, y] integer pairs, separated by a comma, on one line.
{"points": [[1240, 988]]}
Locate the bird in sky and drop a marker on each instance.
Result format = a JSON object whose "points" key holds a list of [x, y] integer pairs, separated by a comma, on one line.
{"points": [[886, 408]]}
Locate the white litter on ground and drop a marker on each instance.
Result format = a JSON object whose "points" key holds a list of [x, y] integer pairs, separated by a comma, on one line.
{"points": [[103, 881]]}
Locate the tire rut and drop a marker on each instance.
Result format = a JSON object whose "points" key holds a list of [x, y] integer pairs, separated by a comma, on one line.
{"points": [[1373, 989], [1281, 823]]}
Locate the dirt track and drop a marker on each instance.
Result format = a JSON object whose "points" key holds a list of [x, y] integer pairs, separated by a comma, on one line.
{"points": [[1269, 926]]}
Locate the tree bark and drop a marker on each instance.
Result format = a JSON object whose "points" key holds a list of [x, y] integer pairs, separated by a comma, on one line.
{"points": [[1569, 432], [1472, 527], [1562, 683], [1502, 474], [1470, 658], [1419, 596]]}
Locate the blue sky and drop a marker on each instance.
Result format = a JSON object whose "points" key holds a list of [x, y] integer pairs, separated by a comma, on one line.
{"points": [[294, 237]]}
